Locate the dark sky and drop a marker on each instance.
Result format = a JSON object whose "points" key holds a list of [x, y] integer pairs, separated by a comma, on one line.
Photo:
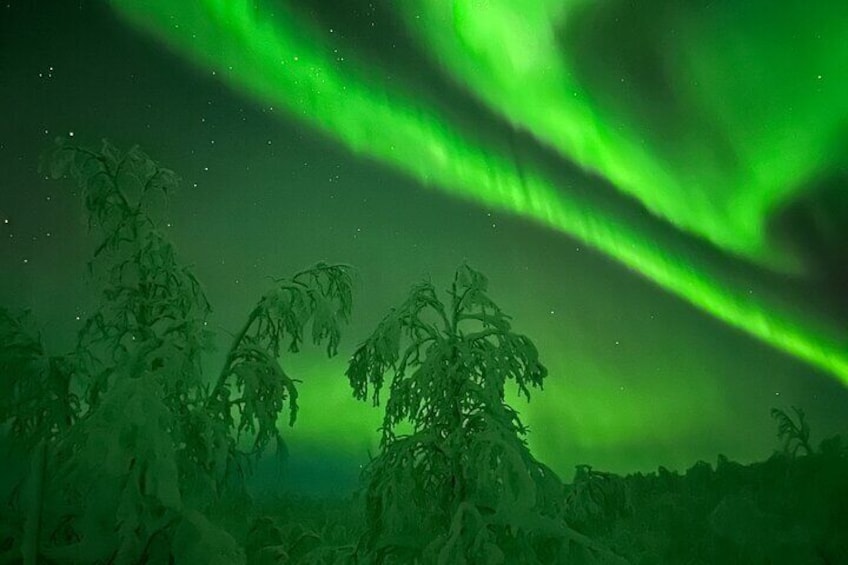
{"points": [[640, 375]]}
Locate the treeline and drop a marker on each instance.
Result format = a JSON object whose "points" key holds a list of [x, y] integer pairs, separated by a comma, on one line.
{"points": [[124, 451]]}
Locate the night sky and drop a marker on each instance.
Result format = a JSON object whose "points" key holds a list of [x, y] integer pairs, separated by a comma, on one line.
{"points": [[656, 193]]}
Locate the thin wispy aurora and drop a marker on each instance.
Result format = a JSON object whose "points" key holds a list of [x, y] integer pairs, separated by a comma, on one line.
{"points": [[273, 58]]}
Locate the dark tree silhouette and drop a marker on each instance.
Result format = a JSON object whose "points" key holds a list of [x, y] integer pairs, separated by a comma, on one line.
{"points": [[454, 481], [136, 454]]}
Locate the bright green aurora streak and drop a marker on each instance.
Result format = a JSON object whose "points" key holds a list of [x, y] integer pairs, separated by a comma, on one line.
{"points": [[272, 58], [756, 103]]}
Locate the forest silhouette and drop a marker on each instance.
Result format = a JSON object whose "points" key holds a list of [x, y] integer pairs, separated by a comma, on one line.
{"points": [[123, 451]]}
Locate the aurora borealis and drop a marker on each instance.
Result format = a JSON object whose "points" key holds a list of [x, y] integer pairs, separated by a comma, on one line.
{"points": [[509, 56], [671, 149]]}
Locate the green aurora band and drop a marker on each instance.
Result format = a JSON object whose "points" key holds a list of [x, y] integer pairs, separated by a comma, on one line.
{"points": [[274, 58], [754, 114]]}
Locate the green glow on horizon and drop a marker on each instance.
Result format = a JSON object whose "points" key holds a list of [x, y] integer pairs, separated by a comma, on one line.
{"points": [[273, 59], [762, 112], [586, 416]]}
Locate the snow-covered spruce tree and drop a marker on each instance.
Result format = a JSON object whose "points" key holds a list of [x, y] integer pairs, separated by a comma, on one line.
{"points": [[136, 448], [460, 486]]}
